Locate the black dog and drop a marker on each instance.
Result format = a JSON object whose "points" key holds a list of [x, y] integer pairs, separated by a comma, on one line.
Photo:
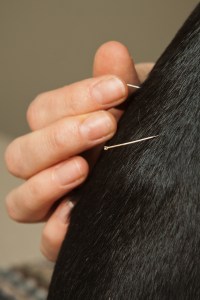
{"points": [[135, 233]]}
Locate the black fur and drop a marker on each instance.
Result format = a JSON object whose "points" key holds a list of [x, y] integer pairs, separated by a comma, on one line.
{"points": [[135, 232]]}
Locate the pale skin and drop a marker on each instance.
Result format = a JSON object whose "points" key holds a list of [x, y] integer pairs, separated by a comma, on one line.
{"points": [[64, 123]]}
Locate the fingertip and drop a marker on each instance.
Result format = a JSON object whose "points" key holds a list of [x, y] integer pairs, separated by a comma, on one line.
{"points": [[10, 207], [10, 155], [14, 211], [83, 165], [110, 50], [114, 58], [113, 119]]}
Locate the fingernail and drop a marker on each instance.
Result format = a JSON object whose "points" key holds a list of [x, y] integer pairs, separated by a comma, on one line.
{"points": [[97, 126], [64, 211], [67, 173], [108, 90]]}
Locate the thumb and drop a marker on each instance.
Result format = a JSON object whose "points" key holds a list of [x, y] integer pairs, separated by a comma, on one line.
{"points": [[114, 58]]}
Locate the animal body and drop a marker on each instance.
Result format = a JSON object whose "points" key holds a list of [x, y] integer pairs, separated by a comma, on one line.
{"points": [[135, 231]]}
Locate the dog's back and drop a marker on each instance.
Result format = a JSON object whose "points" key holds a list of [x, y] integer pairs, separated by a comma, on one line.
{"points": [[135, 232]]}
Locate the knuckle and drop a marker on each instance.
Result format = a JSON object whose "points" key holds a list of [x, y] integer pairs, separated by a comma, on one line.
{"points": [[61, 135], [46, 253], [21, 204], [47, 237], [33, 197], [9, 208], [73, 98], [55, 139], [52, 239], [12, 158], [12, 213], [47, 245], [32, 114], [34, 192], [8, 159], [31, 210]]}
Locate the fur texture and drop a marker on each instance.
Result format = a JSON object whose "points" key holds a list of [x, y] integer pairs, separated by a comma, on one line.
{"points": [[135, 232]]}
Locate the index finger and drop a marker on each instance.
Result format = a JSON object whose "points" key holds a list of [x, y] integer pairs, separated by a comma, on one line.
{"points": [[76, 99]]}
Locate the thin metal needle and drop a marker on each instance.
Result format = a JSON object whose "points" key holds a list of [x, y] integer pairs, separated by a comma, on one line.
{"points": [[133, 86], [133, 142]]}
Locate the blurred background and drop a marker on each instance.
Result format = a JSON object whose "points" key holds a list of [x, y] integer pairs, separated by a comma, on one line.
{"points": [[46, 44]]}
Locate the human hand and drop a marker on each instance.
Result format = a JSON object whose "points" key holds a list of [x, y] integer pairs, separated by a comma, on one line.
{"points": [[49, 157]]}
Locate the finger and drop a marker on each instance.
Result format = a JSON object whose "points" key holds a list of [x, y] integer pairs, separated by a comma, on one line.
{"points": [[55, 230], [143, 70], [114, 58], [36, 151], [32, 201], [78, 98]]}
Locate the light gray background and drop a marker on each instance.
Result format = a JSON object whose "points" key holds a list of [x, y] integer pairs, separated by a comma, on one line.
{"points": [[45, 44]]}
